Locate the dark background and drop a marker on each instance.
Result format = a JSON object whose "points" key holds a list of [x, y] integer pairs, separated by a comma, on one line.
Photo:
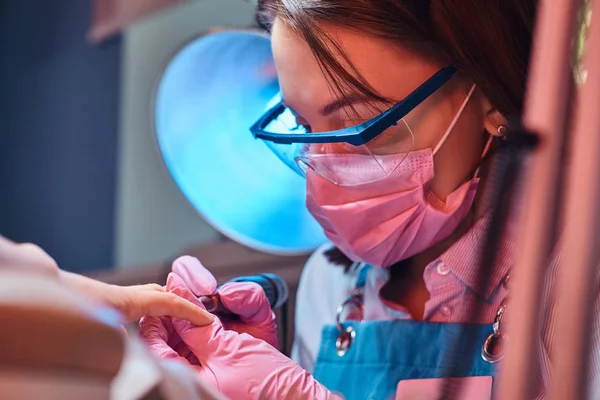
{"points": [[59, 103]]}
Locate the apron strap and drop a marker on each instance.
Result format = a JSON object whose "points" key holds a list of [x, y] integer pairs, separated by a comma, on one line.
{"points": [[361, 280]]}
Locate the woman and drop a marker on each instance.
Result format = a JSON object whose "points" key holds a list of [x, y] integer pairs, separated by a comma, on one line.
{"points": [[389, 109], [405, 201]]}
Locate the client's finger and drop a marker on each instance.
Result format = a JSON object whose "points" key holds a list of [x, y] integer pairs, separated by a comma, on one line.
{"points": [[195, 276], [151, 287], [158, 304], [246, 299]]}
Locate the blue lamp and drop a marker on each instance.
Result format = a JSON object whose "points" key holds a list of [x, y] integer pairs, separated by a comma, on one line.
{"points": [[211, 92]]}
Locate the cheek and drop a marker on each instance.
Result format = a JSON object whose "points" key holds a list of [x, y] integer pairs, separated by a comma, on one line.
{"points": [[460, 155], [468, 135], [431, 119], [428, 126]]}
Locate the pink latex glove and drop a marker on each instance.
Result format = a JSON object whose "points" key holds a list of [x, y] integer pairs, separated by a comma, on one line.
{"points": [[245, 299], [238, 365]]}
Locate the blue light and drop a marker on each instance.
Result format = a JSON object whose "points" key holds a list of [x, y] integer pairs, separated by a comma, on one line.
{"points": [[210, 94]]}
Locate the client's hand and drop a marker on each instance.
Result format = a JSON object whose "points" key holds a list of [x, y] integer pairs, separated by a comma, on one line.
{"points": [[244, 299], [26, 257], [240, 366], [133, 302]]}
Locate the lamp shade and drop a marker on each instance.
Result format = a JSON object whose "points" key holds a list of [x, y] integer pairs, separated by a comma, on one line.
{"points": [[212, 90]]}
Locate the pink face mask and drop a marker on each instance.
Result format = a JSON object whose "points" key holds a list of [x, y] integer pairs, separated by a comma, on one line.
{"points": [[392, 219]]}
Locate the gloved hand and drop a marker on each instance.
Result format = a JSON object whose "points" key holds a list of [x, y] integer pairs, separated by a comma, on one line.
{"points": [[245, 299], [237, 364]]}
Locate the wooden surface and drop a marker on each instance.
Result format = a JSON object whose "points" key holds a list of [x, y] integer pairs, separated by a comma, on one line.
{"points": [[224, 259]]}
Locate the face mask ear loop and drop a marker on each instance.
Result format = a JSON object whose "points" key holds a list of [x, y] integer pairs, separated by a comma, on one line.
{"points": [[485, 151], [454, 121]]}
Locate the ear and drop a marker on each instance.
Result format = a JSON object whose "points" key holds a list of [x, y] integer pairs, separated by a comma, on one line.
{"points": [[494, 122]]}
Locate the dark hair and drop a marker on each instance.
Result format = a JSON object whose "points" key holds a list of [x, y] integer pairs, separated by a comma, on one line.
{"points": [[490, 39], [336, 257]]}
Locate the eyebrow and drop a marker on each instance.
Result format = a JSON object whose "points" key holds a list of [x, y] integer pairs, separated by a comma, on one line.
{"points": [[342, 102], [337, 104]]}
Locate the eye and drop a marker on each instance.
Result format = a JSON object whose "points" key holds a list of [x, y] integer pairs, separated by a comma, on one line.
{"points": [[300, 123], [304, 127]]}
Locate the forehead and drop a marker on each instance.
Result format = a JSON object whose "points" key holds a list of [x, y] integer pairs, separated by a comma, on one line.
{"points": [[390, 69]]}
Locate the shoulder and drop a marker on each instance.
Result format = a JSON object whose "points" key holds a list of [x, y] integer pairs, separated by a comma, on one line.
{"points": [[322, 276]]}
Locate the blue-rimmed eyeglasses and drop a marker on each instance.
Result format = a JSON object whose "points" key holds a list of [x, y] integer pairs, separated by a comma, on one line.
{"points": [[369, 143]]}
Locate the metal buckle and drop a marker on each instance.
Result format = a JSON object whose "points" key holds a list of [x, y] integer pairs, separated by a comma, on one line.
{"points": [[347, 335], [344, 341], [494, 347]]}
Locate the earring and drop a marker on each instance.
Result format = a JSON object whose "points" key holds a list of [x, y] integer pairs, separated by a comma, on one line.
{"points": [[503, 132]]}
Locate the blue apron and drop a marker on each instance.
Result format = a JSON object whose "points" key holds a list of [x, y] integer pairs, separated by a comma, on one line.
{"points": [[382, 353]]}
